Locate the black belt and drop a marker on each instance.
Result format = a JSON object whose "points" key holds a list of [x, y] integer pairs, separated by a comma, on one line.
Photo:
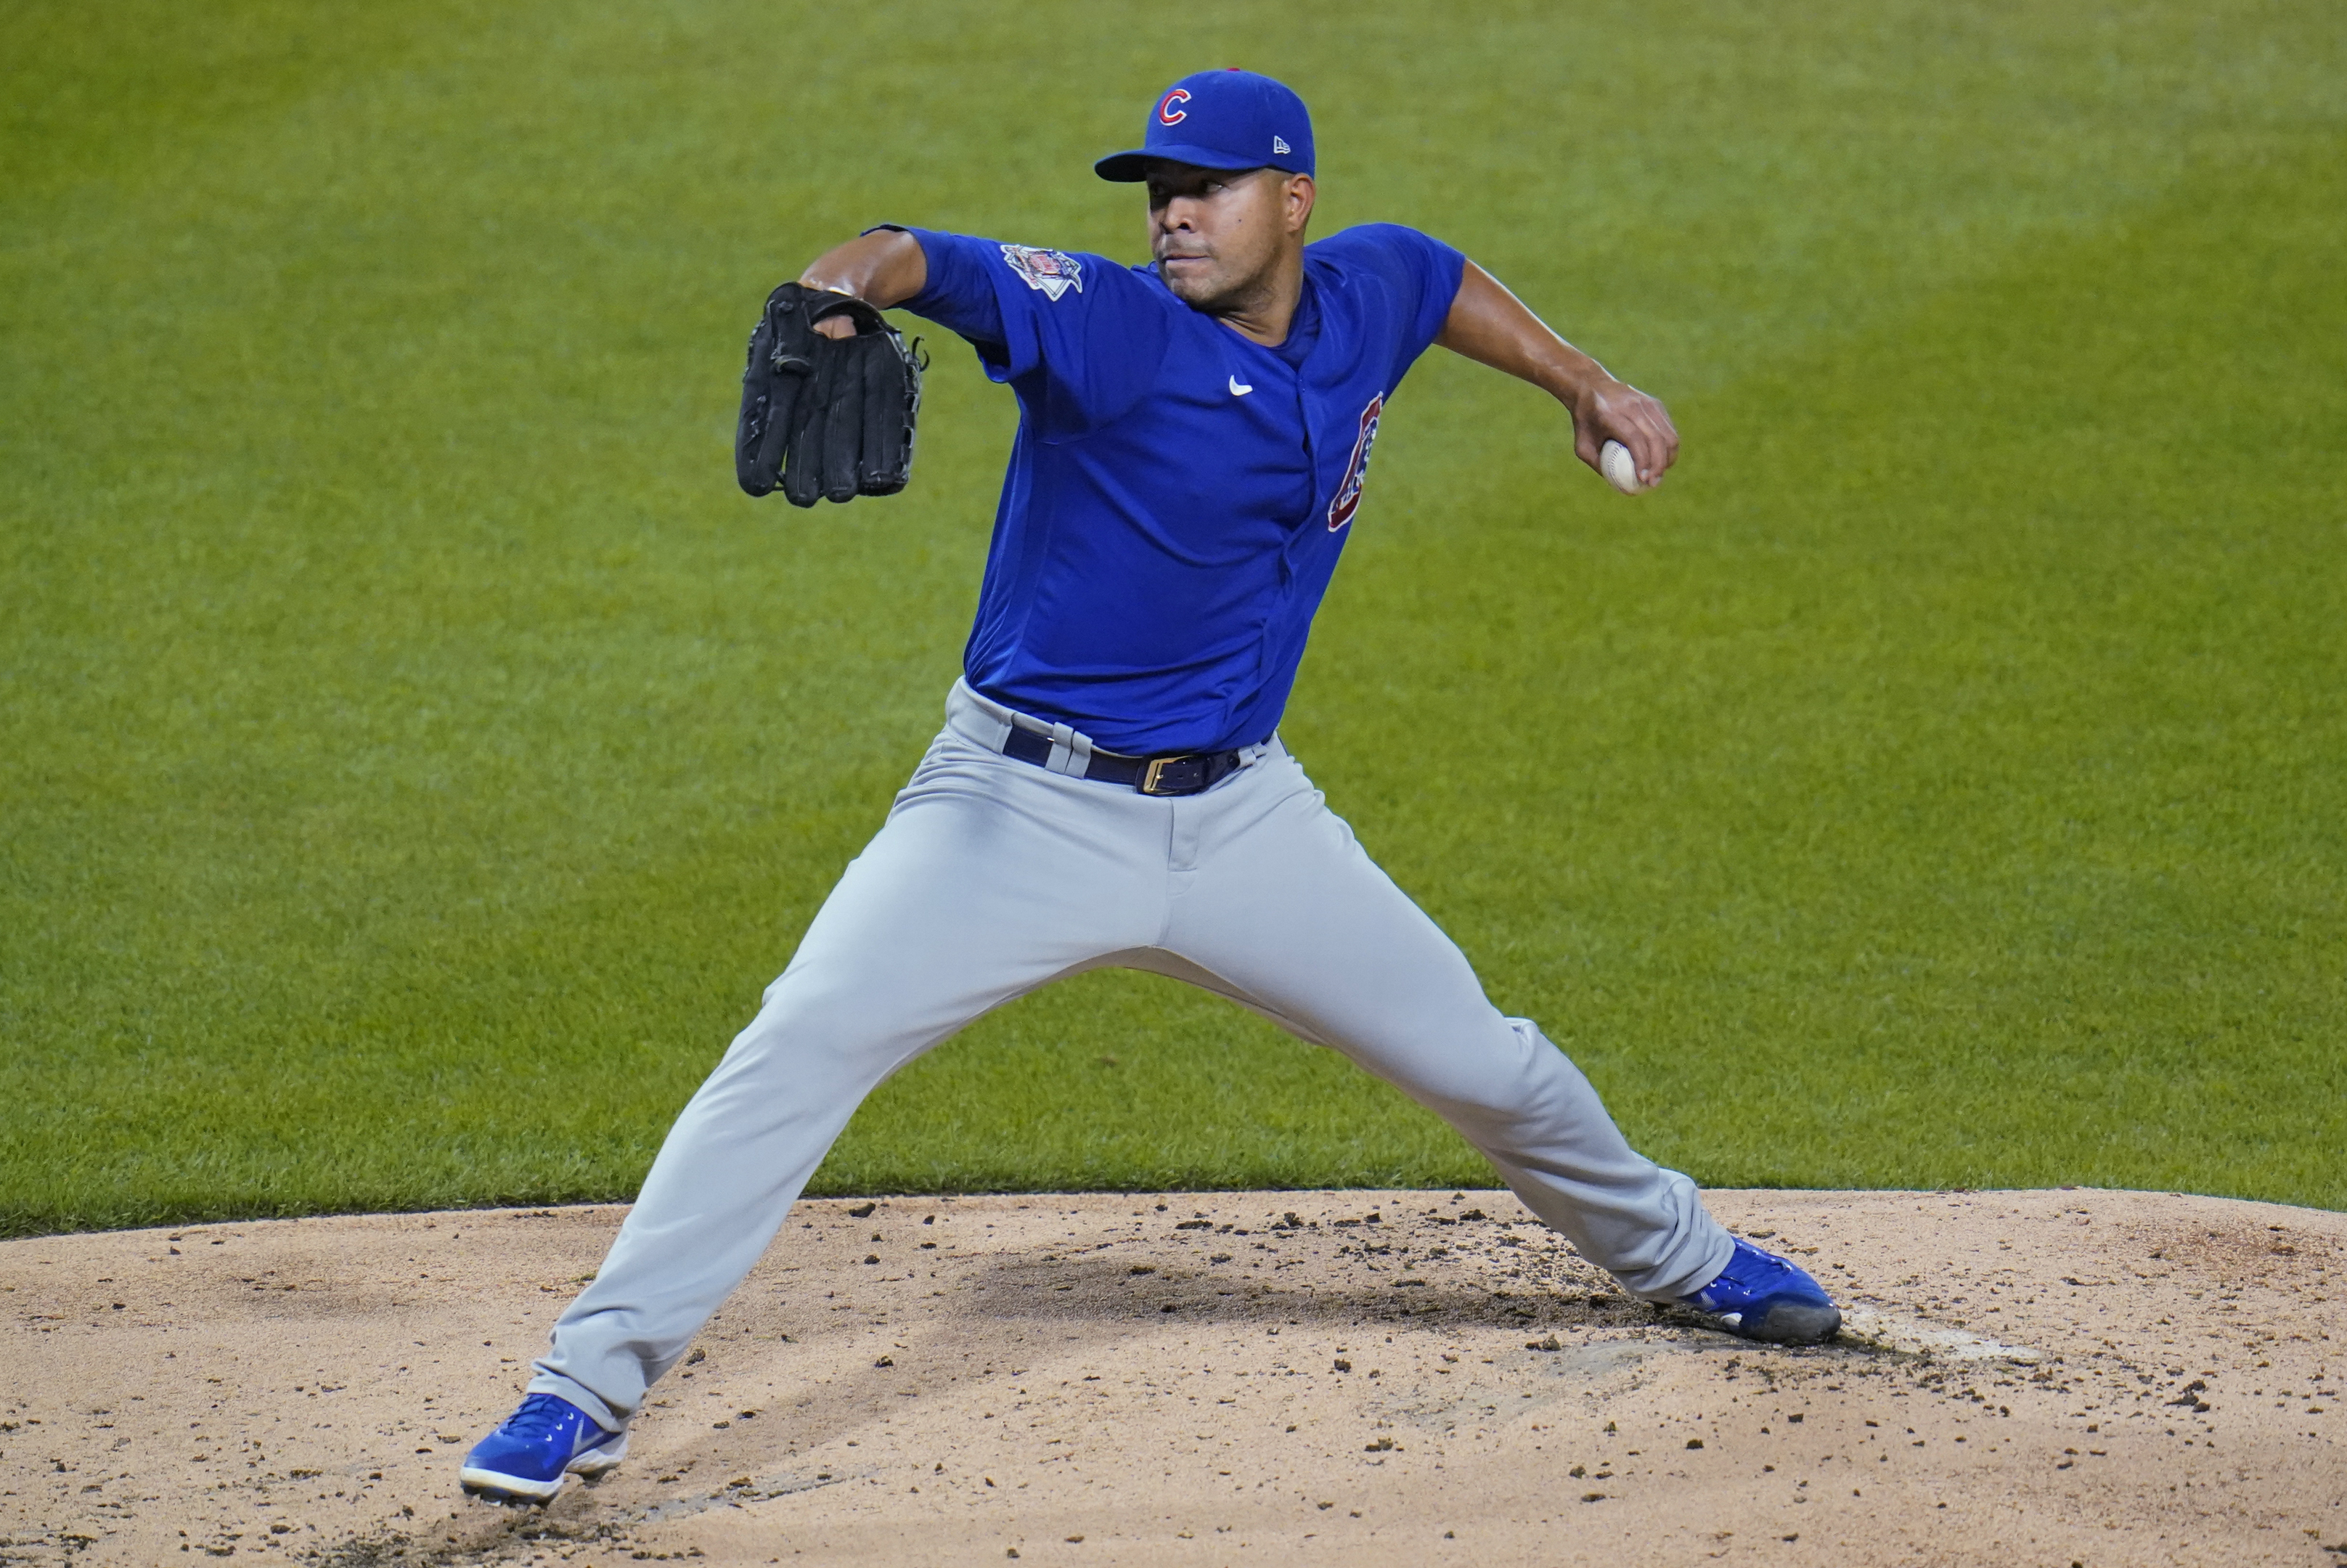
{"points": [[1184, 773]]}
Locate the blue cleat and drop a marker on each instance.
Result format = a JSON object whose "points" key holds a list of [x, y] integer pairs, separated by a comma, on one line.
{"points": [[545, 1439], [1761, 1296]]}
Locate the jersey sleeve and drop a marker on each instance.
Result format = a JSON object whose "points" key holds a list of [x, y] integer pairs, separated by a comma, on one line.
{"points": [[1078, 337], [1422, 276]]}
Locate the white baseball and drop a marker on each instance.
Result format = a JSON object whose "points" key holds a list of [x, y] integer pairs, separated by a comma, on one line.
{"points": [[1619, 467]]}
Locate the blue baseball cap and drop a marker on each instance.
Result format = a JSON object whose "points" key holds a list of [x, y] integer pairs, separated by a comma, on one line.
{"points": [[1222, 119]]}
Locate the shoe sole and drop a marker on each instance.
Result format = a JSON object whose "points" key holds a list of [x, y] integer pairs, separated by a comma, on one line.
{"points": [[495, 1486], [1790, 1323]]}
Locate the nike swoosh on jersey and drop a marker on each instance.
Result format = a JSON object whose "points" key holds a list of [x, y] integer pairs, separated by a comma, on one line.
{"points": [[1237, 390]]}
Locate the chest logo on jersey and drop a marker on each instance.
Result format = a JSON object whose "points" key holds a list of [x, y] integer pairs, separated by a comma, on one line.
{"points": [[1053, 271], [1357, 472]]}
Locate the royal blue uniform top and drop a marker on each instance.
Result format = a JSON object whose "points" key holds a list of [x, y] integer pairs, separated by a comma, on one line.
{"points": [[1177, 493]]}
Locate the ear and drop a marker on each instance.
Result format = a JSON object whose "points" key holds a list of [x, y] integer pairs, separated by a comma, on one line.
{"points": [[1296, 202]]}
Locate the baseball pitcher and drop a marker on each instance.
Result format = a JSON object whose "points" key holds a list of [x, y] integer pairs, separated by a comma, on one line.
{"points": [[1109, 787]]}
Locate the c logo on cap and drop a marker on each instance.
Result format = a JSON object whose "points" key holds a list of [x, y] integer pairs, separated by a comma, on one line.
{"points": [[1167, 114]]}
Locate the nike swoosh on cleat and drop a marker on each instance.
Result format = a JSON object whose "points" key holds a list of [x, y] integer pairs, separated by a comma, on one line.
{"points": [[1237, 390]]}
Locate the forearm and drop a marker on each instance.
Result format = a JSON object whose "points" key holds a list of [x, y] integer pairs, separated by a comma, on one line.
{"points": [[1491, 326], [885, 267]]}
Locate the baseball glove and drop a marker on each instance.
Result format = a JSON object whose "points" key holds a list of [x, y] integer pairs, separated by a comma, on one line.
{"points": [[826, 417]]}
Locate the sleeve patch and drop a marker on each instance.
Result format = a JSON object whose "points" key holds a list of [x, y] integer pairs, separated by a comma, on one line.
{"points": [[1053, 271]]}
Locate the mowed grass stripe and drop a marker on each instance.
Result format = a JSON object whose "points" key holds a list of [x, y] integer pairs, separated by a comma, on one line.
{"points": [[415, 758]]}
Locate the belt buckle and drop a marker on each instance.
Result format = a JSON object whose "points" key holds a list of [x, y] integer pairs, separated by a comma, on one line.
{"points": [[1151, 775]]}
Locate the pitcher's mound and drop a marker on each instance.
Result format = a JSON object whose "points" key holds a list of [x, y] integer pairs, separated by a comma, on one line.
{"points": [[1400, 1378]]}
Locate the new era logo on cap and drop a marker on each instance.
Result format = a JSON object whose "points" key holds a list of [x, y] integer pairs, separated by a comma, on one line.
{"points": [[1222, 119]]}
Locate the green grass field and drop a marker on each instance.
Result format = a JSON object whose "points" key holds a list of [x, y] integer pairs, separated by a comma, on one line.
{"points": [[416, 754]]}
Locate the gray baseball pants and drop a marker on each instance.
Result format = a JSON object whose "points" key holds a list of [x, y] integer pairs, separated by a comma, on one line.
{"points": [[993, 877]]}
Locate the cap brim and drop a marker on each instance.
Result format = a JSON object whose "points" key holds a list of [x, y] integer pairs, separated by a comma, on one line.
{"points": [[1127, 168]]}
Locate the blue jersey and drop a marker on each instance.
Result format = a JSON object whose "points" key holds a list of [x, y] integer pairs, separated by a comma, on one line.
{"points": [[1178, 494]]}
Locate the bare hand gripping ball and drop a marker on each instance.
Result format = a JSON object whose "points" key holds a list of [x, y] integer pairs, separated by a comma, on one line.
{"points": [[827, 418], [1620, 468]]}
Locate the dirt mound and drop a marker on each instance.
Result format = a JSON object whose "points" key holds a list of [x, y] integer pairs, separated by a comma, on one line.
{"points": [[1397, 1377]]}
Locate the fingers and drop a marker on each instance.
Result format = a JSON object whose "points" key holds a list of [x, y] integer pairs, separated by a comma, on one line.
{"points": [[1641, 423], [1667, 439], [835, 327], [1647, 432]]}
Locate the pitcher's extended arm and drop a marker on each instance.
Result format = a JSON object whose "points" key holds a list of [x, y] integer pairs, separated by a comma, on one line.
{"points": [[1491, 326]]}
